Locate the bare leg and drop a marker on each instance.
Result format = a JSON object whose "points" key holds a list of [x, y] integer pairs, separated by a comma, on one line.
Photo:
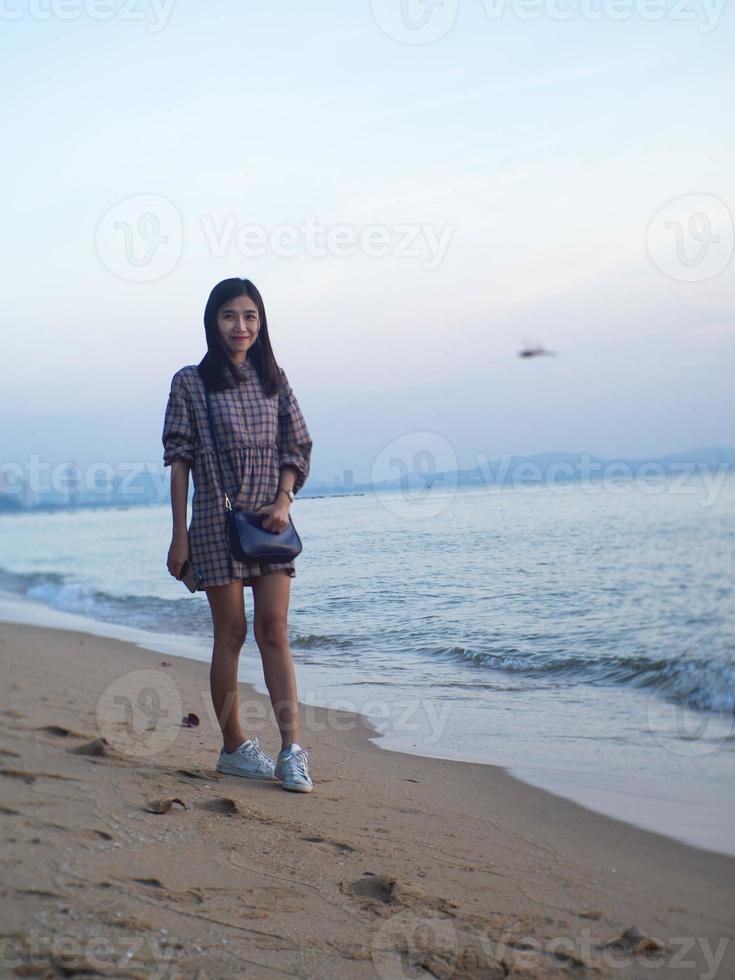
{"points": [[271, 594], [227, 604]]}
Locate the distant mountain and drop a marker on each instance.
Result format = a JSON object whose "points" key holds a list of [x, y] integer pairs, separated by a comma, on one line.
{"points": [[714, 457]]}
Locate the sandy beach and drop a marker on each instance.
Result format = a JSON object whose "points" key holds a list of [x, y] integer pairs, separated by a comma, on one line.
{"points": [[395, 866]]}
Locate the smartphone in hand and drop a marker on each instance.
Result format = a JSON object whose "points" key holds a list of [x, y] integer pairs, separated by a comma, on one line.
{"points": [[190, 576]]}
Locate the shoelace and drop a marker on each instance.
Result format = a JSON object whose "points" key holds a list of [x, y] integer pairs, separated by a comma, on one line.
{"points": [[300, 763], [262, 758]]}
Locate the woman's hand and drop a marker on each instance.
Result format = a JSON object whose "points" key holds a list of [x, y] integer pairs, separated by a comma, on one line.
{"points": [[178, 552], [277, 519]]}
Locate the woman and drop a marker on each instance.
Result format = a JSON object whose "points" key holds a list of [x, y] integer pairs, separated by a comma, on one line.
{"points": [[265, 449]]}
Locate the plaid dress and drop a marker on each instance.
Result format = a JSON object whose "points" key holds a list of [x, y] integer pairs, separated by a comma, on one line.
{"points": [[257, 436]]}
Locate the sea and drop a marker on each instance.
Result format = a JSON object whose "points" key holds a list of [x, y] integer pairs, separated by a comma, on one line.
{"points": [[581, 636]]}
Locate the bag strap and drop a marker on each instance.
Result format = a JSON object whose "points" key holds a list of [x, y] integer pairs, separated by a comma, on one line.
{"points": [[228, 505]]}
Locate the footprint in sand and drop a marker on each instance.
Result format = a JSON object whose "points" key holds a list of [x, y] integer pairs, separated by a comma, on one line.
{"points": [[27, 777], [31, 777], [97, 747], [164, 805], [338, 845], [59, 731], [374, 888], [94, 834], [221, 804], [192, 774], [378, 891]]}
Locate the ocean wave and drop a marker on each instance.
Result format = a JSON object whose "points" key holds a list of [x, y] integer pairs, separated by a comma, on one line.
{"points": [[314, 641], [144, 612], [694, 682]]}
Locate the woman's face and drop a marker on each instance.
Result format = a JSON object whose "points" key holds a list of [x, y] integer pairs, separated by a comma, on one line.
{"points": [[238, 326]]}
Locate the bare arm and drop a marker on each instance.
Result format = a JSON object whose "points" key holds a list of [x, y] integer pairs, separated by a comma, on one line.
{"points": [[287, 478], [179, 493], [277, 510], [179, 550]]}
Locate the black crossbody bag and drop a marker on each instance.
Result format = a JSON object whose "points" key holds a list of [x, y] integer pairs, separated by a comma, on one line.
{"points": [[249, 540]]}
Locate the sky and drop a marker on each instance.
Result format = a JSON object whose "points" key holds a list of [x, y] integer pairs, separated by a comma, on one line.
{"points": [[418, 189]]}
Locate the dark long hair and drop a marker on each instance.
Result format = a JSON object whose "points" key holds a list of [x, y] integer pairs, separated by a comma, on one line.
{"points": [[217, 369]]}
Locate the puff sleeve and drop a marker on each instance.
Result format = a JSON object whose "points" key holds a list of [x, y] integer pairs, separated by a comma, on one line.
{"points": [[294, 439], [179, 433]]}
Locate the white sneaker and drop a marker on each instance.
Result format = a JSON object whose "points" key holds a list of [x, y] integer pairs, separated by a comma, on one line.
{"points": [[247, 760], [292, 768]]}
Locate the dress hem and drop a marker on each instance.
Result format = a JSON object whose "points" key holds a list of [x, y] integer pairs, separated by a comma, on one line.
{"points": [[245, 579]]}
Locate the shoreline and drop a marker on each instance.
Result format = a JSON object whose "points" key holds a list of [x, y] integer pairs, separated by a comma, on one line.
{"points": [[633, 798], [333, 881]]}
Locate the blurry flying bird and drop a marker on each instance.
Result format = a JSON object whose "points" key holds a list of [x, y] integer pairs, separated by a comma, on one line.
{"points": [[535, 350]]}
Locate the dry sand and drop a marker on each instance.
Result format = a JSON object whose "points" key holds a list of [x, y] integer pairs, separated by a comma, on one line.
{"points": [[395, 866]]}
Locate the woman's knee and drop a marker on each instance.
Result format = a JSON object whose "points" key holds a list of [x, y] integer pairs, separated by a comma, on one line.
{"points": [[228, 615], [271, 630], [231, 636]]}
